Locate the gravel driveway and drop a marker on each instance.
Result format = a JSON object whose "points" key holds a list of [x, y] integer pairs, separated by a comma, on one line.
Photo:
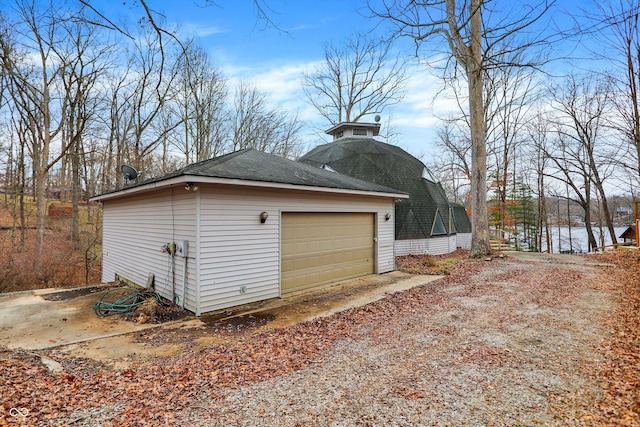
{"points": [[501, 346], [497, 343]]}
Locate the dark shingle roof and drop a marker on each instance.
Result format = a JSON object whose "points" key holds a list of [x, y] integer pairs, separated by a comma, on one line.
{"points": [[463, 223], [391, 166], [254, 165]]}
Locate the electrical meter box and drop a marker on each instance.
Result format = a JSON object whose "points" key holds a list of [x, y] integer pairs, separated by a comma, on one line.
{"points": [[182, 248]]}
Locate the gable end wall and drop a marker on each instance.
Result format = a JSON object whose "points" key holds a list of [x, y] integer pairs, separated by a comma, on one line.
{"points": [[134, 231]]}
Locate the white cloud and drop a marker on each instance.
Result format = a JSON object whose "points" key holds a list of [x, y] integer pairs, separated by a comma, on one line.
{"points": [[281, 84], [415, 118], [198, 30], [202, 31], [425, 102]]}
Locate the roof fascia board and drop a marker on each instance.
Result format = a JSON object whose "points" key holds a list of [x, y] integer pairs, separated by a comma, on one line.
{"points": [[183, 179]]}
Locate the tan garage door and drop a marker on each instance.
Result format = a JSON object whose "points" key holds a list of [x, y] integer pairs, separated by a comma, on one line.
{"points": [[320, 248]]}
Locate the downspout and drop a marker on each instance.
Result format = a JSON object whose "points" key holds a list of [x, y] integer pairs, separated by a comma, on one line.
{"points": [[184, 282], [172, 254], [197, 256]]}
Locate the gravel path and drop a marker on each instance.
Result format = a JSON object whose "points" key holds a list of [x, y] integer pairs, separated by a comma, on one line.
{"points": [[500, 343], [502, 347]]}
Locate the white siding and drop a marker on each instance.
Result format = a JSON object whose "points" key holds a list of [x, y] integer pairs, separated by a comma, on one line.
{"points": [[433, 246], [464, 240], [233, 258], [135, 229], [385, 250], [240, 257]]}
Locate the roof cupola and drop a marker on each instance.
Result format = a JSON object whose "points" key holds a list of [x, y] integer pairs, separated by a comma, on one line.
{"points": [[354, 130]]}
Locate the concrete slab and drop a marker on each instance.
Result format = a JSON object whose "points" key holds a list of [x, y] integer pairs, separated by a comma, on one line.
{"points": [[64, 319], [48, 318], [342, 296]]}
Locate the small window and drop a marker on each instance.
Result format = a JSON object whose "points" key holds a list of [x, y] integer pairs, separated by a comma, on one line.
{"points": [[359, 131], [452, 221], [327, 168], [438, 226], [339, 134]]}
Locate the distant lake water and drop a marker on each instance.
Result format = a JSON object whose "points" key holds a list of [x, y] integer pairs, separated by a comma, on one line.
{"points": [[577, 238]]}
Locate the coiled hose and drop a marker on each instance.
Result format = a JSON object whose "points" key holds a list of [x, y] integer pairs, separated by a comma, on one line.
{"points": [[127, 303]]}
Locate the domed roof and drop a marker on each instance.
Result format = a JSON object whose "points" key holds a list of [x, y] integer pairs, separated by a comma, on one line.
{"points": [[426, 212]]}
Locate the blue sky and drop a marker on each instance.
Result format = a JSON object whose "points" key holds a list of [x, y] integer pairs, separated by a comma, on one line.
{"points": [[234, 34], [241, 46]]}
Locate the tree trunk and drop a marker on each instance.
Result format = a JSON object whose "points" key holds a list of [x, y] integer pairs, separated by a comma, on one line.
{"points": [[480, 245], [22, 177], [75, 194], [607, 217], [41, 205], [586, 205], [593, 244], [632, 59]]}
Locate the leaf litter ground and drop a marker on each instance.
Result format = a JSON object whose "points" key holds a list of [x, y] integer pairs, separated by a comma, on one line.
{"points": [[505, 342]]}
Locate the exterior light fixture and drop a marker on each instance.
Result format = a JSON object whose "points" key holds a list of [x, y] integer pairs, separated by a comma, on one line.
{"points": [[191, 186], [387, 217], [263, 217]]}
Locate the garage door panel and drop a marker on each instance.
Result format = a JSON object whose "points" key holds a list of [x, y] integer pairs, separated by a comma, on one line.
{"points": [[319, 248], [288, 264], [315, 233], [315, 246], [327, 245]]}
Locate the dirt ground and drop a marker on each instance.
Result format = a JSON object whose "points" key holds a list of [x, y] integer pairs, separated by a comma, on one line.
{"points": [[534, 340]]}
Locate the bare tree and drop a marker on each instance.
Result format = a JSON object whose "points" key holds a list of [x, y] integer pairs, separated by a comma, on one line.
{"points": [[509, 93], [51, 62], [256, 125], [573, 172], [453, 163], [538, 131], [201, 105], [119, 122], [153, 89], [585, 150], [475, 37], [89, 61], [16, 175], [139, 97], [359, 78], [616, 26], [34, 92]]}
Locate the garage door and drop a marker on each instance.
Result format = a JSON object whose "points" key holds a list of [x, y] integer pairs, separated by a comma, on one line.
{"points": [[320, 248]]}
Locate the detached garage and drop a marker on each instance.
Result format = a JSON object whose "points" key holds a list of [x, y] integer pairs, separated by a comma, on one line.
{"points": [[246, 227]]}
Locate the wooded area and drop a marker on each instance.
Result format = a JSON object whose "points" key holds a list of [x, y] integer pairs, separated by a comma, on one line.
{"points": [[79, 99], [81, 95]]}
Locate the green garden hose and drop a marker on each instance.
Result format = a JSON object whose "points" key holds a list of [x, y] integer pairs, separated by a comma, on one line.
{"points": [[127, 303]]}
